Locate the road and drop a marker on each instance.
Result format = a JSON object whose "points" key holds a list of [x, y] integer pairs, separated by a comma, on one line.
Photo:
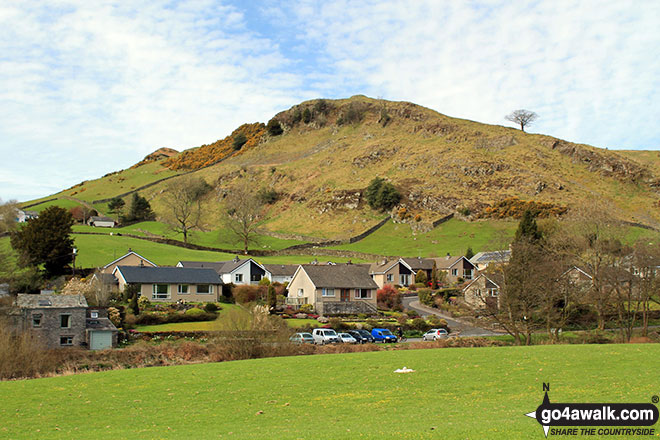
{"points": [[457, 327]]}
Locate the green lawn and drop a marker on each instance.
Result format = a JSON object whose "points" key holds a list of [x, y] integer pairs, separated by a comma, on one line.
{"points": [[454, 236], [201, 326], [462, 393], [98, 250], [216, 238]]}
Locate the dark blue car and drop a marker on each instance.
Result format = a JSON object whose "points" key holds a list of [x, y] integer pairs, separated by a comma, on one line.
{"points": [[383, 335]]}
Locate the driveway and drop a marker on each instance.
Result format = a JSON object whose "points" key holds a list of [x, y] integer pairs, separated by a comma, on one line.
{"points": [[456, 326]]}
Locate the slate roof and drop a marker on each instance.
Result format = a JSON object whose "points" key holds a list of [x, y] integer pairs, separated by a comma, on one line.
{"points": [[281, 270], [100, 324], [382, 266], [447, 262], [491, 257], [43, 301], [341, 276], [219, 266], [419, 263], [168, 275]]}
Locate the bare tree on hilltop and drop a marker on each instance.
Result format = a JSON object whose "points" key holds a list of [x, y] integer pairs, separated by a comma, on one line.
{"points": [[522, 117]]}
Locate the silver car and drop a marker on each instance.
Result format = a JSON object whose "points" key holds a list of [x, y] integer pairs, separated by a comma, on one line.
{"points": [[302, 338], [434, 334]]}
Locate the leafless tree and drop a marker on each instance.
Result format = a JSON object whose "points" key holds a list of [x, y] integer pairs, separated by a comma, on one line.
{"points": [[183, 199], [8, 216], [243, 213], [522, 117]]}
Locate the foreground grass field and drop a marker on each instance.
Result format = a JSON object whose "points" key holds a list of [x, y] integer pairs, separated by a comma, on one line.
{"points": [[475, 393]]}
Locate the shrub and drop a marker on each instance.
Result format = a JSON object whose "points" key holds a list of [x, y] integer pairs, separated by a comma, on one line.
{"points": [[274, 128], [143, 302], [388, 298], [381, 194], [239, 140], [194, 312], [420, 324], [412, 313], [306, 308], [322, 107], [268, 196], [246, 294], [420, 277], [306, 116], [352, 115], [211, 307], [425, 297], [264, 282]]}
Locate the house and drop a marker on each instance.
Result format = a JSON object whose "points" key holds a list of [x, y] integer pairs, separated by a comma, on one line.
{"points": [[23, 216], [417, 264], [481, 260], [235, 271], [482, 291], [457, 269], [171, 284], [101, 222], [281, 273], [334, 289], [129, 259], [392, 272], [65, 321]]}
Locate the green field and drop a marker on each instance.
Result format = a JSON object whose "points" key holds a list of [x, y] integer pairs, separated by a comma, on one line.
{"points": [[222, 238], [461, 393], [63, 203], [99, 250], [200, 326], [454, 236]]}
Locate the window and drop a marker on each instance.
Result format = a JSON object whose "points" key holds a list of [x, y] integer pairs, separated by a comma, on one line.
{"points": [[238, 278], [403, 278], [183, 288], [363, 293], [66, 340], [255, 277], [36, 320], [454, 272], [65, 321], [161, 291], [328, 292], [204, 288], [94, 314], [301, 292], [467, 274], [390, 277]]}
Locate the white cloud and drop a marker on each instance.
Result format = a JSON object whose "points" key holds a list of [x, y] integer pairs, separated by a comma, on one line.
{"points": [[90, 88]]}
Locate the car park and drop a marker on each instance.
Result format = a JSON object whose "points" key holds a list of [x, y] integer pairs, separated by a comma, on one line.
{"points": [[361, 336], [434, 334], [383, 335], [347, 338], [302, 338], [324, 336]]}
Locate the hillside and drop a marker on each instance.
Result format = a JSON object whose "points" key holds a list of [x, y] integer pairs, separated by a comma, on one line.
{"points": [[331, 149]]}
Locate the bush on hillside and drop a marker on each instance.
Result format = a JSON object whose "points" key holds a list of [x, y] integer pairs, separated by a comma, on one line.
{"points": [[239, 140], [274, 128], [381, 194]]}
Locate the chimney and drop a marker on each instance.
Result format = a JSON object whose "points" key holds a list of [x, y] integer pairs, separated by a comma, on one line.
{"points": [[236, 259], [141, 263], [448, 255]]}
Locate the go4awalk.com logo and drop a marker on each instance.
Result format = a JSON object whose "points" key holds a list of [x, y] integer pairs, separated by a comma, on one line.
{"points": [[602, 419]]}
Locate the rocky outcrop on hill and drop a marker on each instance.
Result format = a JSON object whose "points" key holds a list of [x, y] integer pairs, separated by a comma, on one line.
{"points": [[161, 153]]}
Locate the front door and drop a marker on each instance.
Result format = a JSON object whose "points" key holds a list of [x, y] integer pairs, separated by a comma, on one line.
{"points": [[345, 294]]}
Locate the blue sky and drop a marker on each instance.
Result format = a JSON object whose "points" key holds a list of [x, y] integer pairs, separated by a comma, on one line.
{"points": [[92, 87]]}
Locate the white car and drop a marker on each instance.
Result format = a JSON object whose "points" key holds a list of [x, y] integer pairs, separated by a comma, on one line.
{"points": [[347, 338], [324, 336], [434, 334]]}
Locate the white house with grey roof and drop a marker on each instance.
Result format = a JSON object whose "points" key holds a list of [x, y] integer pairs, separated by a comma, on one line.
{"points": [[334, 289], [235, 271], [171, 284]]}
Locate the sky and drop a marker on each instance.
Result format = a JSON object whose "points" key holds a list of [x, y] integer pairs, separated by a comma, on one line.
{"points": [[91, 87]]}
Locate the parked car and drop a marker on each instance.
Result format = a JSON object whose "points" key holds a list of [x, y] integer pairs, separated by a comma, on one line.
{"points": [[302, 338], [324, 336], [347, 338], [434, 334], [383, 335], [362, 336]]}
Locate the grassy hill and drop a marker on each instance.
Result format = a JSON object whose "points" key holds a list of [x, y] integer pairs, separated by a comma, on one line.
{"points": [[453, 394], [331, 149]]}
